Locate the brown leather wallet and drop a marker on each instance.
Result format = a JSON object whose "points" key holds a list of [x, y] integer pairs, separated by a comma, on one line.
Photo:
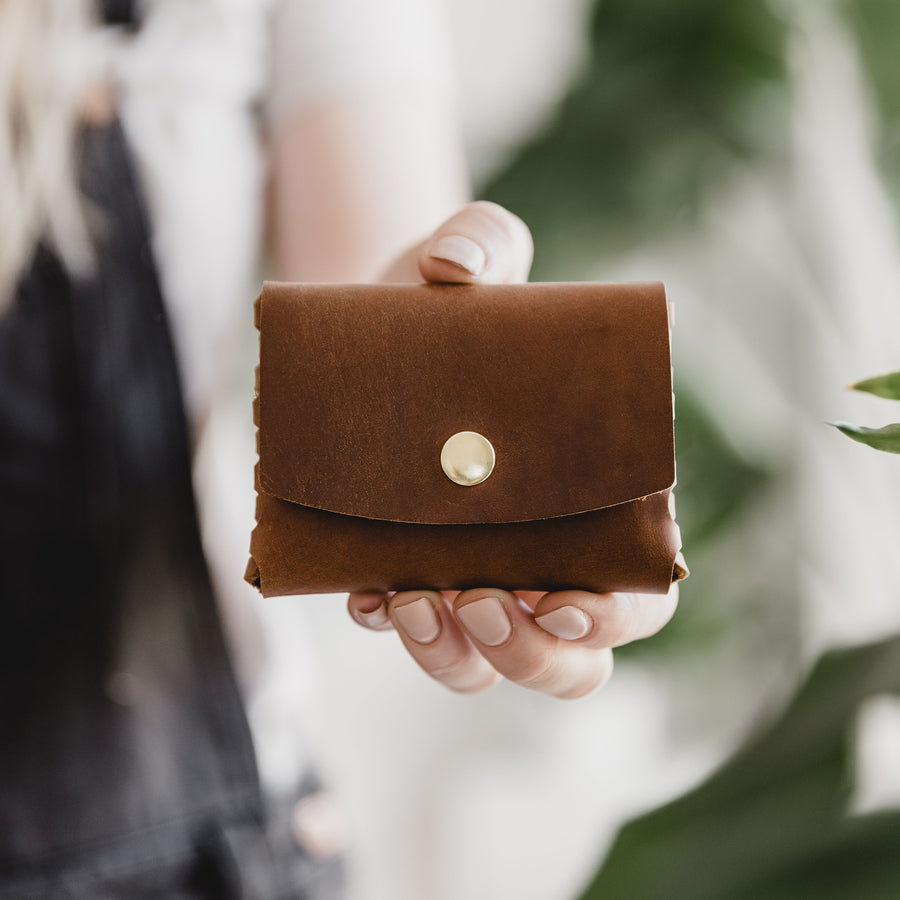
{"points": [[457, 436]]}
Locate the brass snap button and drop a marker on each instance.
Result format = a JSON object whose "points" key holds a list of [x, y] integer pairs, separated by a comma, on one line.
{"points": [[467, 458]]}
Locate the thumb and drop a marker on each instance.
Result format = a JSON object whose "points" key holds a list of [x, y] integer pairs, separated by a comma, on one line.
{"points": [[483, 242]]}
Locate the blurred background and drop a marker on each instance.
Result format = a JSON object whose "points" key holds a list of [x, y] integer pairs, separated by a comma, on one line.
{"points": [[749, 156]]}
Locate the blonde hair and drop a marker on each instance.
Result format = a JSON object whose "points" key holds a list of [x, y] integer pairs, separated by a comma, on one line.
{"points": [[43, 72]]}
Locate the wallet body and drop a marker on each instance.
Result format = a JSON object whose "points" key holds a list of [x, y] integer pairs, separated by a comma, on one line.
{"points": [[359, 388]]}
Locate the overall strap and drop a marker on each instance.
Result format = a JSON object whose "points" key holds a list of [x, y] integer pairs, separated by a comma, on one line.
{"points": [[119, 12]]}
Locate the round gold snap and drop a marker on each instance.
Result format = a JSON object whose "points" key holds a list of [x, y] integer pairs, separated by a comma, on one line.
{"points": [[467, 458]]}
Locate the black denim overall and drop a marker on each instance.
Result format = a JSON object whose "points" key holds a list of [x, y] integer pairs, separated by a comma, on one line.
{"points": [[126, 765]]}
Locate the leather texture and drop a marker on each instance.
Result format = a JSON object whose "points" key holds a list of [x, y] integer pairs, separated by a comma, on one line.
{"points": [[359, 386]]}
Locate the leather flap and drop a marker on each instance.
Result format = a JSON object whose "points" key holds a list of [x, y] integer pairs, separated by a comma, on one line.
{"points": [[361, 385]]}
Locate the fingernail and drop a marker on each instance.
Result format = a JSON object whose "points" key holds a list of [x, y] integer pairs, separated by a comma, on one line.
{"points": [[460, 251], [375, 619], [567, 622], [419, 620], [486, 620]]}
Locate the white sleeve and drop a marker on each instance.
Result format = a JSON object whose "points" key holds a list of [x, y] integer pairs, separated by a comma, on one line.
{"points": [[322, 49]]}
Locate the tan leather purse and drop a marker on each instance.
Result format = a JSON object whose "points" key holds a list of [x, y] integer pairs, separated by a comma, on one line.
{"points": [[458, 436]]}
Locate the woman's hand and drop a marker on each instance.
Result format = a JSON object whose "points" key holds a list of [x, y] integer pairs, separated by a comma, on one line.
{"points": [[558, 643]]}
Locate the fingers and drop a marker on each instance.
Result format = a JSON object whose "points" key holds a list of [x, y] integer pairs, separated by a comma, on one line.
{"points": [[482, 243], [436, 642], [558, 643], [604, 620], [502, 628]]}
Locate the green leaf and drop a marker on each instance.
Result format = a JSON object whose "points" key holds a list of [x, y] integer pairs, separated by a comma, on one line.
{"points": [[887, 438], [887, 386], [773, 822]]}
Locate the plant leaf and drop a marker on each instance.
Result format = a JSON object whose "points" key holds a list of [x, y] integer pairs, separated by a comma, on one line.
{"points": [[887, 438], [887, 386], [773, 821]]}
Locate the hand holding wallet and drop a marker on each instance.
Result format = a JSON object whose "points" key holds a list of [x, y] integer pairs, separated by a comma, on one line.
{"points": [[457, 436]]}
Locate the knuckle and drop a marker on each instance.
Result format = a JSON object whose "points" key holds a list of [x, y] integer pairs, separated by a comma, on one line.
{"points": [[490, 208], [508, 223], [598, 678], [538, 669], [458, 666], [576, 692], [475, 685], [465, 674], [614, 624]]}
